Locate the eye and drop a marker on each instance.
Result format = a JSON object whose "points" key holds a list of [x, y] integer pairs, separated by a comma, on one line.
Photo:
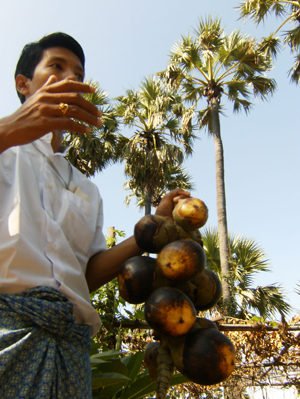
{"points": [[57, 66], [79, 77]]}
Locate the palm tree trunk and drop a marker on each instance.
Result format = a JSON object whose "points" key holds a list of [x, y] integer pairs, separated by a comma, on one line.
{"points": [[148, 200], [221, 203]]}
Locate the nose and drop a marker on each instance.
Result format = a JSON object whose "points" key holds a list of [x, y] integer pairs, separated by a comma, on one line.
{"points": [[70, 75]]}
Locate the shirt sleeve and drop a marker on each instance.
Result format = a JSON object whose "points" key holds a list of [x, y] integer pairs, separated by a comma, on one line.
{"points": [[99, 241]]}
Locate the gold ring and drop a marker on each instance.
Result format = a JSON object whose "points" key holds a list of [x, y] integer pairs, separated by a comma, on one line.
{"points": [[63, 107]]}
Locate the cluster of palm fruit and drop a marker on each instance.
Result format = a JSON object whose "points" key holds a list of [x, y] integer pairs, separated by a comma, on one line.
{"points": [[174, 286]]}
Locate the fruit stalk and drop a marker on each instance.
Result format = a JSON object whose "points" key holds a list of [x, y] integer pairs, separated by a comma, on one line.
{"points": [[165, 370], [150, 359]]}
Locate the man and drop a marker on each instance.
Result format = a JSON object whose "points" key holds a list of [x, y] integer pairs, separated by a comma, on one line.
{"points": [[52, 249]]}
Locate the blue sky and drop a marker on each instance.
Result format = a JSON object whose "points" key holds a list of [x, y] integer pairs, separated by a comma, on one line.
{"points": [[124, 42]]}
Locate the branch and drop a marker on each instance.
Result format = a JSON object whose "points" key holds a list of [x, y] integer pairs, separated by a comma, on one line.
{"points": [[137, 324], [283, 351]]}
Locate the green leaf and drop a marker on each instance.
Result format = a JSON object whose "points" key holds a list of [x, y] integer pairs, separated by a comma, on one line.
{"points": [[257, 319], [94, 348], [140, 388], [114, 366], [106, 355], [144, 386], [110, 391], [139, 315], [178, 379], [98, 361], [105, 379], [134, 364]]}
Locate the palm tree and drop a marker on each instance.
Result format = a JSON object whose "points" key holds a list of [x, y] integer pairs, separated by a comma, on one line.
{"points": [[213, 65], [259, 10], [163, 135], [247, 260], [94, 151], [178, 177]]}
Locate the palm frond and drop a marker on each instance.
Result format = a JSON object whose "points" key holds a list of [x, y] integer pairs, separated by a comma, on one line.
{"points": [[292, 38], [173, 75], [268, 301], [247, 260], [263, 87], [234, 90], [289, 11], [204, 118], [259, 10], [211, 247], [270, 46], [209, 34], [294, 72]]}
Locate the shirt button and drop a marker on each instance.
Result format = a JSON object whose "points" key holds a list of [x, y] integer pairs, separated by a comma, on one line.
{"points": [[50, 185], [53, 246]]}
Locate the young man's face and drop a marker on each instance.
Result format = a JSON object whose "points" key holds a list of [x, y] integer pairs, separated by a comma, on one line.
{"points": [[58, 61]]}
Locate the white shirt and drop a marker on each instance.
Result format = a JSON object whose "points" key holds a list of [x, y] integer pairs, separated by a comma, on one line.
{"points": [[47, 232]]}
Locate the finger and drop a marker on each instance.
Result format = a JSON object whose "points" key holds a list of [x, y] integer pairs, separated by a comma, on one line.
{"points": [[180, 197], [75, 99], [183, 192], [70, 86], [52, 79], [65, 92], [176, 193], [68, 124], [73, 111]]}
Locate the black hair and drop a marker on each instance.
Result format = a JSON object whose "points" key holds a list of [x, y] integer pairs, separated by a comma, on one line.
{"points": [[32, 53]]}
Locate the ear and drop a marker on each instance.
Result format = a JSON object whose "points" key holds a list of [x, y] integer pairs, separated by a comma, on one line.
{"points": [[22, 84]]}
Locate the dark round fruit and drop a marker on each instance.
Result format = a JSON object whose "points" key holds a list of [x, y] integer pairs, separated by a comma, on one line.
{"points": [[180, 260], [135, 278], [207, 358], [209, 290], [153, 232], [169, 311]]}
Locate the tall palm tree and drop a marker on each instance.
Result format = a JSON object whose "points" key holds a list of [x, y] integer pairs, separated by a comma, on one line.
{"points": [[93, 152], [248, 260], [289, 11], [163, 135], [212, 65]]}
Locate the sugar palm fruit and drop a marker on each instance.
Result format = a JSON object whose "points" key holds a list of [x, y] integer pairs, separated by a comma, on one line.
{"points": [[169, 311], [187, 287], [181, 259], [204, 355], [194, 235], [208, 290], [190, 213], [202, 322], [160, 280], [135, 278], [153, 232]]}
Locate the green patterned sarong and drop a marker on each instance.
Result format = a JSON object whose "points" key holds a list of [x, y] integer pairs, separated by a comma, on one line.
{"points": [[43, 353]]}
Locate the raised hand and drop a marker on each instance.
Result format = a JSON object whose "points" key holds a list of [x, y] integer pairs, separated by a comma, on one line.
{"points": [[41, 113], [166, 205]]}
